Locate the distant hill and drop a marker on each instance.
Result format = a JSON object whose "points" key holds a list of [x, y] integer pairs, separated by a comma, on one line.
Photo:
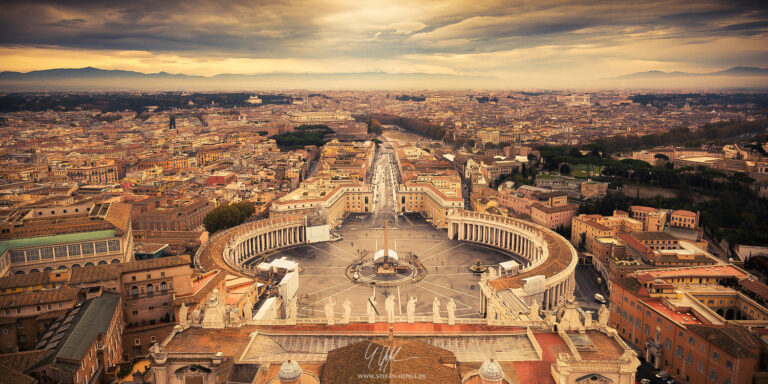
{"points": [[87, 72], [89, 78], [735, 71]]}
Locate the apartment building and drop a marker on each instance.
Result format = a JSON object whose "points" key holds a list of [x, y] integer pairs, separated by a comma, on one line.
{"points": [[85, 343], [65, 237], [333, 199], [677, 331], [174, 215]]}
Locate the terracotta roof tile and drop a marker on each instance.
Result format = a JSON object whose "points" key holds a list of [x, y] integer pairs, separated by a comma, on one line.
{"points": [[737, 341], [40, 297]]}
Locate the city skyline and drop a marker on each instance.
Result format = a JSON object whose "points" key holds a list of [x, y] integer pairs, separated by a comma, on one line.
{"points": [[535, 44]]}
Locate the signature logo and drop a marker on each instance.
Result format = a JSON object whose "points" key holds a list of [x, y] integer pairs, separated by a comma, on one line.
{"points": [[382, 356]]}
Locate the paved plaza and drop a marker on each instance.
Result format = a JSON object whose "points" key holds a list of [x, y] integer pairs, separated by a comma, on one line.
{"points": [[323, 267]]}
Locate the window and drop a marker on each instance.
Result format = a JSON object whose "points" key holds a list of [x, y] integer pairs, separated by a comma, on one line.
{"points": [[163, 286], [134, 290], [87, 249], [17, 256], [60, 252], [114, 245], [713, 375], [74, 250], [46, 253], [39, 308], [137, 342], [689, 358], [101, 247], [729, 364], [715, 356], [19, 323], [33, 254], [691, 340], [668, 344], [150, 288], [679, 352], [701, 366]]}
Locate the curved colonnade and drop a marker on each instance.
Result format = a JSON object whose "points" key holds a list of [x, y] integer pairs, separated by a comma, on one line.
{"points": [[548, 253], [241, 243]]}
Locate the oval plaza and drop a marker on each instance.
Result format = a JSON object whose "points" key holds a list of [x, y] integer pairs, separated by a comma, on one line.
{"points": [[394, 259]]}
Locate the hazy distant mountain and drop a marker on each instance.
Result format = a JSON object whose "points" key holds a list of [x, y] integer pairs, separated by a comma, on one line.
{"points": [[99, 79], [77, 73], [735, 71]]}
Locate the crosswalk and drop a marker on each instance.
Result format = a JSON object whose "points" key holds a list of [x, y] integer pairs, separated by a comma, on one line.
{"points": [[588, 305]]}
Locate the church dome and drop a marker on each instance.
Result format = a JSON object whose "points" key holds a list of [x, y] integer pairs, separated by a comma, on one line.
{"points": [[491, 371], [289, 372]]}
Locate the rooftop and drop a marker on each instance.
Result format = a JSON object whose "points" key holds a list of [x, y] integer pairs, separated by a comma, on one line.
{"points": [[702, 271], [71, 337]]}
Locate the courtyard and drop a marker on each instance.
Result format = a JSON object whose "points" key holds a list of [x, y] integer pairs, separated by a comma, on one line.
{"points": [[323, 265]]}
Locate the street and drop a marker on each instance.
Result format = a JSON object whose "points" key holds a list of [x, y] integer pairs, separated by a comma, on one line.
{"points": [[587, 287]]}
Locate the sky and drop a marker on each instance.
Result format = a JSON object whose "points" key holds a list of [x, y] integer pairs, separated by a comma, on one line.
{"points": [[525, 42]]}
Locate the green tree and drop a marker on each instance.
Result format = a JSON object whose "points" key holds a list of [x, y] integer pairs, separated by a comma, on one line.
{"points": [[228, 216], [582, 241]]}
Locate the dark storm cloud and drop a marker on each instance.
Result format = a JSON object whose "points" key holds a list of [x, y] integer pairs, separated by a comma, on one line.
{"points": [[285, 28], [369, 31]]}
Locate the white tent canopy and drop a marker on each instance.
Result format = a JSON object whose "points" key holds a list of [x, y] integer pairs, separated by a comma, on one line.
{"points": [[380, 253]]}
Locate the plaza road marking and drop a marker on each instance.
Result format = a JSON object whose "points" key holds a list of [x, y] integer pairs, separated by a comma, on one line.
{"points": [[442, 305], [326, 288], [343, 250], [448, 288], [340, 292], [430, 248], [441, 252], [332, 254]]}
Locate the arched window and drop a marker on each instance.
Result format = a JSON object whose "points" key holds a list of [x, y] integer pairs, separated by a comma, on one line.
{"points": [[150, 288], [163, 286], [134, 290]]}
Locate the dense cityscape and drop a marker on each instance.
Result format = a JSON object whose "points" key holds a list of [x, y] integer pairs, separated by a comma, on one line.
{"points": [[344, 192], [215, 222]]}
